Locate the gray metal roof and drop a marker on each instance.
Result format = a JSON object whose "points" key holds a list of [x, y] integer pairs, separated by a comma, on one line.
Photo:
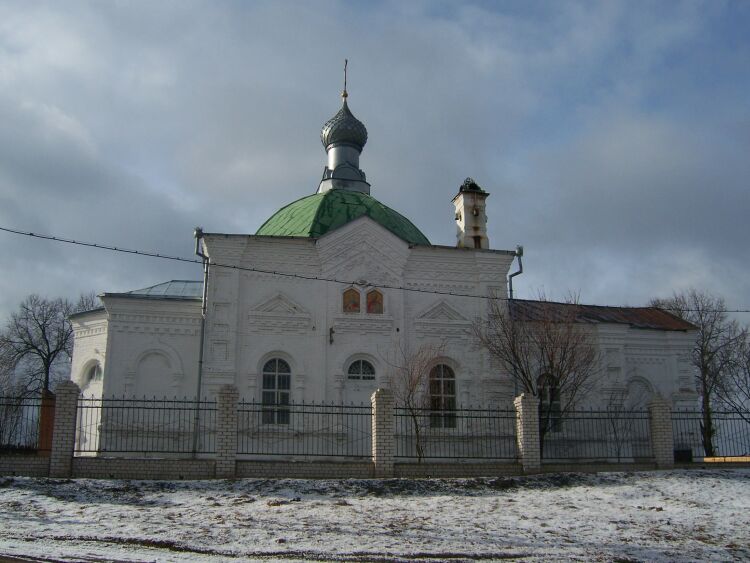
{"points": [[174, 289]]}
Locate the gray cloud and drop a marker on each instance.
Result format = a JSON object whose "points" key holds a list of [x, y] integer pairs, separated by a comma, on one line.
{"points": [[613, 139]]}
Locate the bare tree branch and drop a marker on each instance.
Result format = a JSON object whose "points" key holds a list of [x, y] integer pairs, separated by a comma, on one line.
{"points": [[37, 341], [546, 350], [735, 389], [715, 350], [409, 373]]}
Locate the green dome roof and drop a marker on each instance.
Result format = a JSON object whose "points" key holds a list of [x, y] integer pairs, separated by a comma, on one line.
{"points": [[315, 215]]}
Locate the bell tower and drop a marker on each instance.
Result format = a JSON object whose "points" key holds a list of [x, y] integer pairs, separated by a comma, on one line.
{"points": [[471, 218]]}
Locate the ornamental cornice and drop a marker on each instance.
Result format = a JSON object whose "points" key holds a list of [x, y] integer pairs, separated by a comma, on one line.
{"points": [[456, 330], [88, 332], [363, 324], [431, 283], [152, 329], [646, 360], [259, 322], [155, 319], [279, 279]]}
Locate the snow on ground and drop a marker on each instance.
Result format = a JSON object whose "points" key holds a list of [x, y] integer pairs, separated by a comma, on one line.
{"points": [[654, 516]]}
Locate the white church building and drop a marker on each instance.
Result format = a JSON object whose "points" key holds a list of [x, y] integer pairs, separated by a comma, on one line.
{"points": [[316, 304]]}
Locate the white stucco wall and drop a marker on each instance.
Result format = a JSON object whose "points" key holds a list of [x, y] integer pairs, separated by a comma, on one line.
{"points": [[146, 346], [90, 349], [254, 316], [150, 346], [636, 359]]}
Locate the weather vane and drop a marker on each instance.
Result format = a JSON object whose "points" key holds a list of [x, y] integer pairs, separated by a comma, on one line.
{"points": [[344, 94]]}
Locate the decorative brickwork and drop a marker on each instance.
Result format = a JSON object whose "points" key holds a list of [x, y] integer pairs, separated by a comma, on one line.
{"points": [[64, 433], [383, 429], [527, 432], [226, 431], [662, 440]]}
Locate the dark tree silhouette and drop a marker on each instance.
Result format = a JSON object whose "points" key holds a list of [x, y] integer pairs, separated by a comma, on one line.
{"points": [[714, 353], [37, 341]]}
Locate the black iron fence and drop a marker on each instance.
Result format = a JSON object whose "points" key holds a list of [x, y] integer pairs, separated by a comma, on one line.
{"points": [[731, 436], [145, 426], [597, 435], [171, 426], [464, 433], [304, 429], [20, 419]]}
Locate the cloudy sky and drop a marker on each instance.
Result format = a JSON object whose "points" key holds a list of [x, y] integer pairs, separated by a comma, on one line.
{"points": [[614, 137]]}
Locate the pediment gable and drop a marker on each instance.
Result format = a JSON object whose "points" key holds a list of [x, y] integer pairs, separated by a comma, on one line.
{"points": [[363, 250], [280, 304], [442, 311], [442, 320], [279, 314]]}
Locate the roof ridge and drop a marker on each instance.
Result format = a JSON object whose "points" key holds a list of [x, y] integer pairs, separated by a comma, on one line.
{"points": [[588, 304]]}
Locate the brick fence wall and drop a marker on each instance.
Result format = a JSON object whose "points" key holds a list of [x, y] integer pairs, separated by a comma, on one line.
{"points": [[382, 464], [27, 465], [124, 468]]}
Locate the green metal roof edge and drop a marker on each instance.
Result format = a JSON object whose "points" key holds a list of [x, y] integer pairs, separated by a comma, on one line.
{"points": [[287, 206], [314, 225]]}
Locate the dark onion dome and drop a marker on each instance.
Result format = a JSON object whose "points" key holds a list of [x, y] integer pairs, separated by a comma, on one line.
{"points": [[315, 215], [344, 128]]}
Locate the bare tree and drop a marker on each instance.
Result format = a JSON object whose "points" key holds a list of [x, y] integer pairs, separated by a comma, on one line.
{"points": [[623, 408], [37, 341], [735, 389], [409, 376], [715, 350], [547, 351]]}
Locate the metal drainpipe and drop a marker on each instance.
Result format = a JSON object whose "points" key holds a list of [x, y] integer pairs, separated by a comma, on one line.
{"points": [[196, 421], [519, 254]]}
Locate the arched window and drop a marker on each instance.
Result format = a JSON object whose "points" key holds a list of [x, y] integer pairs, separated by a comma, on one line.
{"points": [[361, 369], [442, 397], [374, 302], [351, 301], [277, 378], [550, 410], [94, 373]]}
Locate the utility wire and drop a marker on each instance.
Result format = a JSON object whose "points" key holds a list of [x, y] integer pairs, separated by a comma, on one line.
{"points": [[235, 267], [271, 272]]}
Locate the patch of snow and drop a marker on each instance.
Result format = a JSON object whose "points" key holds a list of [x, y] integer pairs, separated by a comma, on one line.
{"points": [[681, 515]]}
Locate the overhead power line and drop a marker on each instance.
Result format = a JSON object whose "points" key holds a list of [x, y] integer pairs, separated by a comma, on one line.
{"points": [[162, 256], [235, 267]]}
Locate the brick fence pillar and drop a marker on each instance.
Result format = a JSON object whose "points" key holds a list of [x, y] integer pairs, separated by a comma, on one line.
{"points": [[64, 429], [226, 432], [662, 440], [383, 429], [527, 432], [46, 423]]}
